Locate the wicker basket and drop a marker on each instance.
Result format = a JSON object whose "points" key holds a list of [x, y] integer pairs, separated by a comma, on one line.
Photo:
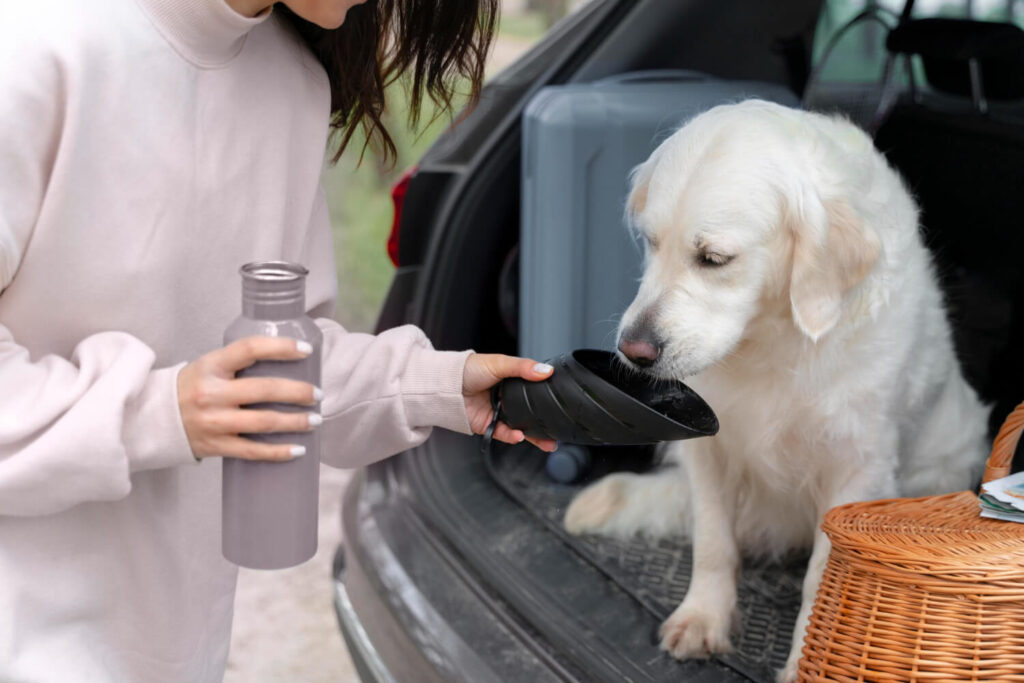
{"points": [[922, 589]]}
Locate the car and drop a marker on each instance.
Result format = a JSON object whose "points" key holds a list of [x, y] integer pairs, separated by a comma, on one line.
{"points": [[455, 566]]}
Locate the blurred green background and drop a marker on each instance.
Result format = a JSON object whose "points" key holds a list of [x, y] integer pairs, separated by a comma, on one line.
{"points": [[359, 199], [359, 194]]}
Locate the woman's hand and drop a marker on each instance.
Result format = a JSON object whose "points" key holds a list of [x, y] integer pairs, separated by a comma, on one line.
{"points": [[482, 372], [211, 400]]}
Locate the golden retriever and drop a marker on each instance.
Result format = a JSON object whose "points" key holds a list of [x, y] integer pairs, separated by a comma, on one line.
{"points": [[786, 280]]}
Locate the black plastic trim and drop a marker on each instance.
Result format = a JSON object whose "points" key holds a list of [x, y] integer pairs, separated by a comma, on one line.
{"points": [[428, 617], [532, 570]]}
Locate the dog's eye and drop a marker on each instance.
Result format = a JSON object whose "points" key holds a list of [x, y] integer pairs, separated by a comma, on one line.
{"points": [[713, 259]]}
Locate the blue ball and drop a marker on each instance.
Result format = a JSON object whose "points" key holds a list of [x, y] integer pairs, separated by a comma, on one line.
{"points": [[568, 464]]}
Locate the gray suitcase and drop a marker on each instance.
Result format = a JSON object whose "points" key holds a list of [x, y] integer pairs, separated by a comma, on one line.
{"points": [[579, 266]]}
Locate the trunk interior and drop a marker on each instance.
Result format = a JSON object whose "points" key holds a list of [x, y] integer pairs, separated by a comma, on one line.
{"points": [[597, 603]]}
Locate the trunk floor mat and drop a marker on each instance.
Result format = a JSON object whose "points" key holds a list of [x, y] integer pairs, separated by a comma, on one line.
{"points": [[656, 572]]}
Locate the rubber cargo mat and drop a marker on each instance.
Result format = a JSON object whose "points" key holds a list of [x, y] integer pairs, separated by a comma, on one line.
{"points": [[656, 572]]}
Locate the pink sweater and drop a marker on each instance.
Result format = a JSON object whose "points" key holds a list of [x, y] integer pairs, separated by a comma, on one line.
{"points": [[147, 150]]}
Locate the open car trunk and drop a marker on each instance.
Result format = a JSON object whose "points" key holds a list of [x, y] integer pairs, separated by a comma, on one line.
{"points": [[457, 563], [594, 603]]}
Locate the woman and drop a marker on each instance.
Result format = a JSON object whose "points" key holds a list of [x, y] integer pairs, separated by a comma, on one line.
{"points": [[149, 148]]}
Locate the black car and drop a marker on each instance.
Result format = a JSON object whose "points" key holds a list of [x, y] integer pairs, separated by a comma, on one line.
{"points": [[455, 565]]}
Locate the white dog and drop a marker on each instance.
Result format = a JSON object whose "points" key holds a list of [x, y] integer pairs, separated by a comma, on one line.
{"points": [[785, 277]]}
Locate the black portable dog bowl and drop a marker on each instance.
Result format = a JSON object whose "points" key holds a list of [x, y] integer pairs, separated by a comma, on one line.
{"points": [[593, 399]]}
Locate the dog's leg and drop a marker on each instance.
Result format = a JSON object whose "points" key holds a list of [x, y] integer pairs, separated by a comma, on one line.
{"points": [[812, 580], [700, 626], [624, 504], [865, 484]]}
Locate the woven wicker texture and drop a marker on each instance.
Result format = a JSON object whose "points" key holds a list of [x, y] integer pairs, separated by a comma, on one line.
{"points": [[922, 589]]}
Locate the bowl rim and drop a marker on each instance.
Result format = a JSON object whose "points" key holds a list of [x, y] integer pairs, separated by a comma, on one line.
{"points": [[614, 357]]}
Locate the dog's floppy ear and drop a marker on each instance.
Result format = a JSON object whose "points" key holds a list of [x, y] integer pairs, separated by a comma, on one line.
{"points": [[832, 252], [640, 181]]}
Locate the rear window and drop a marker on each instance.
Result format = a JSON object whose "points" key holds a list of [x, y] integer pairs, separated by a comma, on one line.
{"points": [[858, 54]]}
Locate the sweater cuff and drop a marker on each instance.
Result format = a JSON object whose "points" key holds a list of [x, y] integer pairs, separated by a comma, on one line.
{"points": [[154, 435], [432, 390]]}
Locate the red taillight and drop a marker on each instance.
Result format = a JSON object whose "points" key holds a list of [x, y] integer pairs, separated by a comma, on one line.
{"points": [[398, 197]]}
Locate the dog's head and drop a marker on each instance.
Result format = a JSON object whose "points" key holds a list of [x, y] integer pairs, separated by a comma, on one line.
{"points": [[746, 214]]}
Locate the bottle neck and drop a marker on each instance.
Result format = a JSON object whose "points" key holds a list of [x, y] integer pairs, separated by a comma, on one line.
{"points": [[273, 291]]}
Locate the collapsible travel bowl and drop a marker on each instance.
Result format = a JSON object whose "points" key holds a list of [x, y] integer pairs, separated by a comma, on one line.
{"points": [[593, 399]]}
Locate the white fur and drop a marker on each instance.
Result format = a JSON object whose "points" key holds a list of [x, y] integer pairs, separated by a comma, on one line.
{"points": [[823, 347]]}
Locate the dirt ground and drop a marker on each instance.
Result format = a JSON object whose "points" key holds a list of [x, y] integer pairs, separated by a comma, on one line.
{"points": [[285, 628]]}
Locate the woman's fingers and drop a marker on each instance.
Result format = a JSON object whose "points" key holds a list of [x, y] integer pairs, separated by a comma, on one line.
{"points": [[260, 421], [246, 449], [244, 352], [250, 390], [210, 399], [502, 432], [505, 433], [484, 370], [538, 371], [546, 445], [510, 366]]}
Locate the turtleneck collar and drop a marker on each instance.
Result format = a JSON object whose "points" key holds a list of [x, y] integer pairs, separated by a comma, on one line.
{"points": [[208, 33]]}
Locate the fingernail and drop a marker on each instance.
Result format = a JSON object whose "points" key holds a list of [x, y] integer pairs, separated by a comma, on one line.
{"points": [[318, 393], [315, 419], [304, 347], [542, 368], [297, 451]]}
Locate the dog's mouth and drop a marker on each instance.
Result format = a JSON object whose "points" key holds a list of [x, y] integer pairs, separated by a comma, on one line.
{"points": [[664, 368]]}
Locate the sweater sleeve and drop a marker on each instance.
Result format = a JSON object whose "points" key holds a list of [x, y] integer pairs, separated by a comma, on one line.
{"points": [[383, 394], [71, 429]]}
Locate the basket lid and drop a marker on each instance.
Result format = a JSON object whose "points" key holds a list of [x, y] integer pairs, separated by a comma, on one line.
{"points": [[936, 536]]}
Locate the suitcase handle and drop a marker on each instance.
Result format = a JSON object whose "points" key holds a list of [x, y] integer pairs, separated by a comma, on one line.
{"points": [[656, 76]]}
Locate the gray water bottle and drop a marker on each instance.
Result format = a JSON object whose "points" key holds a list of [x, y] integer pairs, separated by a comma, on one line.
{"points": [[269, 509]]}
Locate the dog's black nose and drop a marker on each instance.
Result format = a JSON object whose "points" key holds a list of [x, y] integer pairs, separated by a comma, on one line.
{"points": [[643, 352]]}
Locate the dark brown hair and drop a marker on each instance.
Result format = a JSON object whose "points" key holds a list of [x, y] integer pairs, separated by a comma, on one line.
{"points": [[437, 44]]}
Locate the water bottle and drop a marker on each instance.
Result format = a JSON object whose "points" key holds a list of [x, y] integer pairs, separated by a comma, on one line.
{"points": [[269, 509]]}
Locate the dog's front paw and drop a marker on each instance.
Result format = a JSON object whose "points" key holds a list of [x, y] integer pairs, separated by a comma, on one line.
{"points": [[595, 506], [788, 673], [692, 631]]}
